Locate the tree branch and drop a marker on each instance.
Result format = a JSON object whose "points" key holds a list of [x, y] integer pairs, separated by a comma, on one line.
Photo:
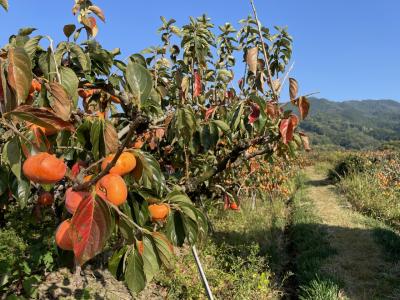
{"points": [[192, 185], [271, 85]]}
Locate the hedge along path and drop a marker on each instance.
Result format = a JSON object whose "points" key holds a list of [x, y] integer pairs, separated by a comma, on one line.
{"points": [[360, 262]]}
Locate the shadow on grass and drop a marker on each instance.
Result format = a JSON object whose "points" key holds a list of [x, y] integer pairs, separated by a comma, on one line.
{"points": [[308, 250]]}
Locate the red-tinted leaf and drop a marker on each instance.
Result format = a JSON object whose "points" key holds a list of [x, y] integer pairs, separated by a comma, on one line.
{"points": [[293, 89], [286, 130], [197, 84], [98, 12], [294, 119], [272, 110], [240, 83], [40, 116], [110, 138], [226, 202], [75, 170], [304, 107], [19, 73], [159, 133], [255, 113], [287, 126], [209, 112], [305, 140], [90, 25], [91, 226]]}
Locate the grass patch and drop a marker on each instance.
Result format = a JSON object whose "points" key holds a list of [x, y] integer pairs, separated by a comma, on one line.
{"points": [[321, 290], [241, 259]]}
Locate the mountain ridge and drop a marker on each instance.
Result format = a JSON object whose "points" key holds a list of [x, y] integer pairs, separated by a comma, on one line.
{"points": [[353, 124]]}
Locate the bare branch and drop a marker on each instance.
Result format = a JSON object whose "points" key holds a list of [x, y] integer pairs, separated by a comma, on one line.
{"points": [[285, 78], [223, 163], [270, 83]]}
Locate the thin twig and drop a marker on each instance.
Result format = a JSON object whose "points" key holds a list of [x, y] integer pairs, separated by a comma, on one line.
{"points": [[271, 85], [285, 78], [54, 58], [310, 94], [119, 212], [16, 131], [86, 171]]}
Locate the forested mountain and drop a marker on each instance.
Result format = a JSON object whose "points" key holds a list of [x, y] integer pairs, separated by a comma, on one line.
{"points": [[353, 124]]}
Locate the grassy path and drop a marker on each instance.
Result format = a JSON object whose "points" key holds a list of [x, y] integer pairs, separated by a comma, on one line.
{"points": [[359, 264]]}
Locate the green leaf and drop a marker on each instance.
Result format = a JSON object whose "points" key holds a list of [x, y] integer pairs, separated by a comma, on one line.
{"points": [[235, 121], [191, 230], [32, 45], [3, 181], [26, 31], [164, 248], [149, 170], [4, 4], [134, 273], [97, 139], [174, 229], [19, 73], [12, 156], [84, 61], [47, 65], [70, 82], [221, 125], [69, 30], [115, 264], [139, 82], [150, 259], [21, 190]]}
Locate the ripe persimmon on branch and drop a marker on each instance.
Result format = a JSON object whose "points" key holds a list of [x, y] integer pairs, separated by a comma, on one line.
{"points": [[132, 139]]}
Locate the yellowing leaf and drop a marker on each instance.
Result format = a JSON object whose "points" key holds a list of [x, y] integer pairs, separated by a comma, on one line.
{"points": [[293, 89], [304, 107], [19, 73], [251, 59], [60, 101], [98, 12]]}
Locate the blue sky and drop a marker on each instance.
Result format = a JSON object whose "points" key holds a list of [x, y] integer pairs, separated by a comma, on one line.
{"points": [[346, 49]]}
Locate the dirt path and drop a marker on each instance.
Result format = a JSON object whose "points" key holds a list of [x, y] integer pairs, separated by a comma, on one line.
{"points": [[359, 262]]}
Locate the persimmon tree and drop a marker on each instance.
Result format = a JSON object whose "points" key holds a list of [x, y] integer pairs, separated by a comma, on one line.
{"points": [[136, 143]]}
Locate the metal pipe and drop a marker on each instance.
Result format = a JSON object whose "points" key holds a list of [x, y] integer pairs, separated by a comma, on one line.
{"points": [[202, 274]]}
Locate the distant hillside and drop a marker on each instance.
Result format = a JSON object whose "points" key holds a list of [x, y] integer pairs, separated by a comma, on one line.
{"points": [[353, 124]]}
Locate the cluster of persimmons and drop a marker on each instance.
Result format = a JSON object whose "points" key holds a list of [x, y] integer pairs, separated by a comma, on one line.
{"points": [[46, 169]]}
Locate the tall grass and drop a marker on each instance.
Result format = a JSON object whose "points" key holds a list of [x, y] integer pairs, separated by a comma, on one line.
{"points": [[241, 258]]}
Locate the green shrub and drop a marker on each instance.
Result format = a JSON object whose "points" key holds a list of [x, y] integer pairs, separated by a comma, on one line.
{"points": [[351, 164]]}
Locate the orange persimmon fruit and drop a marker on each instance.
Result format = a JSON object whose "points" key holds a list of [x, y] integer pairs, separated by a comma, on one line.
{"points": [[44, 168], [124, 165], [159, 212], [63, 235], [112, 188]]}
